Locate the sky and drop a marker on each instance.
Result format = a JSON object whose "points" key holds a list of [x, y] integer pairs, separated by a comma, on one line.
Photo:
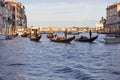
{"points": [[65, 13]]}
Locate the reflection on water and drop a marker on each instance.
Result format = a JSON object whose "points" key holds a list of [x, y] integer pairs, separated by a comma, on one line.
{"points": [[22, 59]]}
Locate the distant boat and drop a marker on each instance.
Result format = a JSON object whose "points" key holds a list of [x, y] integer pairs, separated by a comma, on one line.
{"points": [[112, 40], [73, 33], [24, 34], [50, 35], [35, 37], [62, 39], [86, 39], [15, 35]]}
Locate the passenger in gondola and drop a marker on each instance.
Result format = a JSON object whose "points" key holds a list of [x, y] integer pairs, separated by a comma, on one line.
{"points": [[90, 34], [83, 37], [55, 37]]}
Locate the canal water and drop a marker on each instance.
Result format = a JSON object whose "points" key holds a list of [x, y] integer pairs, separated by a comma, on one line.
{"points": [[22, 59]]}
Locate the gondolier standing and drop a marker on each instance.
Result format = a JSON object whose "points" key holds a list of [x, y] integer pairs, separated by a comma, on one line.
{"points": [[90, 33], [65, 33]]}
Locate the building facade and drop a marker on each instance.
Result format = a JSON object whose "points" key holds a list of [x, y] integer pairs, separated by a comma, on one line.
{"points": [[1, 14], [101, 24], [12, 16], [7, 14], [113, 17], [18, 16]]}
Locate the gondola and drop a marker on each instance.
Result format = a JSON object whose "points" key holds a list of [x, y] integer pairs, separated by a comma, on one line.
{"points": [[50, 35], [14, 35], [34, 37], [85, 39], [24, 34], [62, 39]]}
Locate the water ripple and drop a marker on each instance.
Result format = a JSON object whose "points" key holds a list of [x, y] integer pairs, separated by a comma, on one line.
{"points": [[22, 59]]}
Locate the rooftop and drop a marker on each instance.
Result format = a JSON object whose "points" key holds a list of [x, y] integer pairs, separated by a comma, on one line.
{"points": [[113, 5]]}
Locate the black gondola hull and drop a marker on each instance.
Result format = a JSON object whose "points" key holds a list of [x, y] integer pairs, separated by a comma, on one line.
{"points": [[87, 40], [68, 40], [35, 38], [24, 35]]}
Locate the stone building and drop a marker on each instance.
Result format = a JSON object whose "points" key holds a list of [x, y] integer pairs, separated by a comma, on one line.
{"points": [[1, 14], [19, 16], [113, 17], [12, 16], [101, 24], [7, 18]]}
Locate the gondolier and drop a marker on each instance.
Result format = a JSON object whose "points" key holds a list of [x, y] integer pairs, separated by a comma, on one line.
{"points": [[90, 33], [86, 39], [65, 33]]}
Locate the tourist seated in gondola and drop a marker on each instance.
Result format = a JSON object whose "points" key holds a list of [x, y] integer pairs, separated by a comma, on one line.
{"points": [[50, 35], [55, 37], [83, 37], [61, 38]]}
